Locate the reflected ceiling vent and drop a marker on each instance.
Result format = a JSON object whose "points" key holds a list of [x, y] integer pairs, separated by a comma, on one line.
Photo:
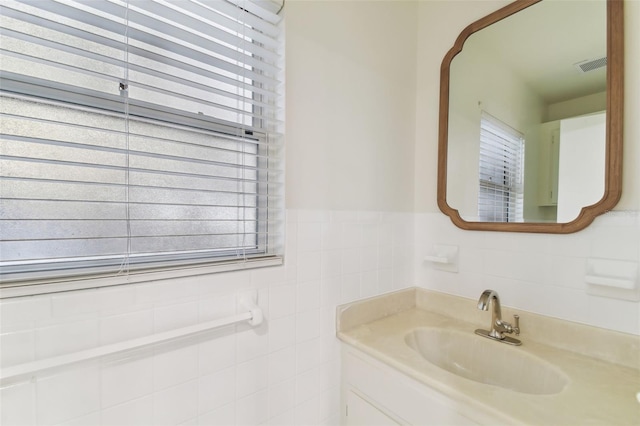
{"points": [[591, 64]]}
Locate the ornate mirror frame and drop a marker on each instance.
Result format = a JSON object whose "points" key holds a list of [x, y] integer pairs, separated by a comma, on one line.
{"points": [[614, 130]]}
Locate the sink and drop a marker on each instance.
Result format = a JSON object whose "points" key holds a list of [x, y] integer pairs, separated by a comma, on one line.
{"points": [[475, 358]]}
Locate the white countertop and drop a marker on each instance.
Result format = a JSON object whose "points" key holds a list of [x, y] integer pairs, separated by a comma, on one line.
{"points": [[598, 392]]}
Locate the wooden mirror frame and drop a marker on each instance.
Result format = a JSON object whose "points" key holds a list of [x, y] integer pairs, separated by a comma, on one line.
{"points": [[614, 130]]}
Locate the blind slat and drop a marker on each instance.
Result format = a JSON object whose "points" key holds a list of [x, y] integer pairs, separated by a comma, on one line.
{"points": [[138, 134], [500, 171]]}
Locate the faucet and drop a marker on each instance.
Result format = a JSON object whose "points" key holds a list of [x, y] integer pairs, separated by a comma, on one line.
{"points": [[489, 298]]}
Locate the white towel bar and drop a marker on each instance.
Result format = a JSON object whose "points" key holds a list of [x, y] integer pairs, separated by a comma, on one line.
{"points": [[21, 371]]}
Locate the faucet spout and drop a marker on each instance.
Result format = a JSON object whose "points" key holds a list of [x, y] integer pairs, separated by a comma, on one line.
{"points": [[490, 299], [486, 299]]}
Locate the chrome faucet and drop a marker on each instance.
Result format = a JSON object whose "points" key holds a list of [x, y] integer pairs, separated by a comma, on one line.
{"points": [[498, 326]]}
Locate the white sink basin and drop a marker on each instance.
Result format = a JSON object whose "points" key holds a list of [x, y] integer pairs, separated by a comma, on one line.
{"points": [[486, 361]]}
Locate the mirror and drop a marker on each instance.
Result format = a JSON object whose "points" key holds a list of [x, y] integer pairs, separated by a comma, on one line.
{"points": [[531, 100]]}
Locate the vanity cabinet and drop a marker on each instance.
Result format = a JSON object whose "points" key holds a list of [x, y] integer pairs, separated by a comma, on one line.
{"points": [[375, 394]]}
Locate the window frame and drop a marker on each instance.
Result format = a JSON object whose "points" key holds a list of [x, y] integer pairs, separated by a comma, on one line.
{"points": [[92, 277], [510, 187]]}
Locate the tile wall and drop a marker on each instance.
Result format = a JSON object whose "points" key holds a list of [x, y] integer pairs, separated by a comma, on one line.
{"points": [[540, 273], [286, 371]]}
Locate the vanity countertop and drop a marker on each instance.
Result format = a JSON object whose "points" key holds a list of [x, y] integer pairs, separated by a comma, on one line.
{"points": [[603, 384]]}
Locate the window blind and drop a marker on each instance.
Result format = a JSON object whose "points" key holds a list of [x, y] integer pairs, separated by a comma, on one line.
{"points": [[501, 167], [138, 134]]}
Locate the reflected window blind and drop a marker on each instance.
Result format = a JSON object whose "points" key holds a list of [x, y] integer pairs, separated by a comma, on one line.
{"points": [[138, 134], [501, 191]]}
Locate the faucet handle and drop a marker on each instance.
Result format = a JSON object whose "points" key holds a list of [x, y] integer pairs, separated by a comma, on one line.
{"points": [[516, 324]]}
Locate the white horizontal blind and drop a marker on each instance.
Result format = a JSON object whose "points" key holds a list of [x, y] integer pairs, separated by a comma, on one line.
{"points": [[138, 134], [501, 192]]}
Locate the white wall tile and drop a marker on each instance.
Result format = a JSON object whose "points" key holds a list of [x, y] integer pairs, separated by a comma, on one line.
{"points": [[309, 237], [351, 235], [216, 306], [329, 405], [308, 355], [308, 296], [67, 395], [251, 342], [17, 347], [175, 405], [281, 365], [282, 333], [351, 260], [307, 325], [216, 390], [72, 304], [18, 404], [271, 276], [175, 366], [92, 419], [330, 375], [612, 242], [329, 348], [221, 416], [331, 263], [190, 422], [285, 419], [308, 412], [369, 234], [385, 280], [125, 380], [175, 316], [330, 289], [331, 238], [117, 328], [282, 301], [253, 409], [66, 338], [369, 284], [328, 321], [612, 313], [25, 311], [369, 259], [307, 385], [218, 351], [135, 412], [309, 267], [251, 376], [350, 288], [281, 397]]}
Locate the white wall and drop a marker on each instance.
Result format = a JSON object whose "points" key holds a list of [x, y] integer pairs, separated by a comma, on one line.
{"points": [[538, 273], [350, 104], [579, 106], [350, 127], [581, 183]]}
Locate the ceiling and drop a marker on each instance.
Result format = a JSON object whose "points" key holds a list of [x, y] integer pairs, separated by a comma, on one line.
{"points": [[543, 42]]}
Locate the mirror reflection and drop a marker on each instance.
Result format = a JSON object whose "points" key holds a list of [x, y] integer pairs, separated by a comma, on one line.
{"points": [[527, 115]]}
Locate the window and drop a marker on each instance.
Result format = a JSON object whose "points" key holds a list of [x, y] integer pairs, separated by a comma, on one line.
{"points": [[501, 191], [139, 135]]}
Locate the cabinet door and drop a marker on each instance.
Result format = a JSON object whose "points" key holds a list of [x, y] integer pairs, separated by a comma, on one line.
{"points": [[396, 398], [362, 413]]}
